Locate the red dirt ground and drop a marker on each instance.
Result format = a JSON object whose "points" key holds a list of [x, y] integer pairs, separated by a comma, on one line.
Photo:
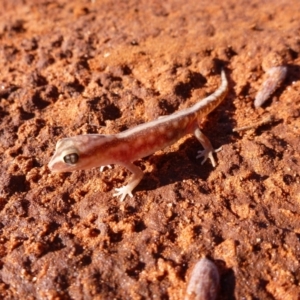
{"points": [[76, 67]]}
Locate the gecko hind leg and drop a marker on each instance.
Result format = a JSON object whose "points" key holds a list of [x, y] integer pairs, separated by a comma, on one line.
{"points": [[208, 148]]}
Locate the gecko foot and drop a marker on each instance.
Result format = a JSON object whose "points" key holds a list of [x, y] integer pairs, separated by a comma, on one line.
{"points": [[208, 153], [123, 192]]}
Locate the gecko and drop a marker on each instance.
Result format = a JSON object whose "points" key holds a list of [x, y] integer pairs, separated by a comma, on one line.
{"points": [[87, 151]]}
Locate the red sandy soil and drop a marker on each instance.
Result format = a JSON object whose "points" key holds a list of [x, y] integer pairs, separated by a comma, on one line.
{"points": [[77, 67]]}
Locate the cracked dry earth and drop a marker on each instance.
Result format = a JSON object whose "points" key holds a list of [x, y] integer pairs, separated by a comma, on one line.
{"points": [[77, 67]]}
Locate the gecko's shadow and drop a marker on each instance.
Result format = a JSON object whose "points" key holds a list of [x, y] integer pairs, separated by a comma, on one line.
{"points": [[172, 167]]}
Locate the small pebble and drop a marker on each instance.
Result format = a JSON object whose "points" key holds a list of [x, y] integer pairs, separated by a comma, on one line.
{"points": [[274, 64], [275, 76], [204, 281]]}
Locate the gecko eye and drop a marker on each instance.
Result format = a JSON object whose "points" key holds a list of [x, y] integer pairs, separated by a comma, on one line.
{"points": [[71, 159]]}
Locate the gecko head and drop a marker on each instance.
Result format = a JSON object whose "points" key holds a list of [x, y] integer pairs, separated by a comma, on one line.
{"points": [[65, 157], [75, 153]]}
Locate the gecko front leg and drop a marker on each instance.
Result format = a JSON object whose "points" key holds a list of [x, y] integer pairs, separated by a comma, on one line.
{"points": [[134, 181]]}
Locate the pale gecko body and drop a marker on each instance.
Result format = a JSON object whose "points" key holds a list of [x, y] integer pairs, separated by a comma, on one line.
{"points": [[96, 150]]}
